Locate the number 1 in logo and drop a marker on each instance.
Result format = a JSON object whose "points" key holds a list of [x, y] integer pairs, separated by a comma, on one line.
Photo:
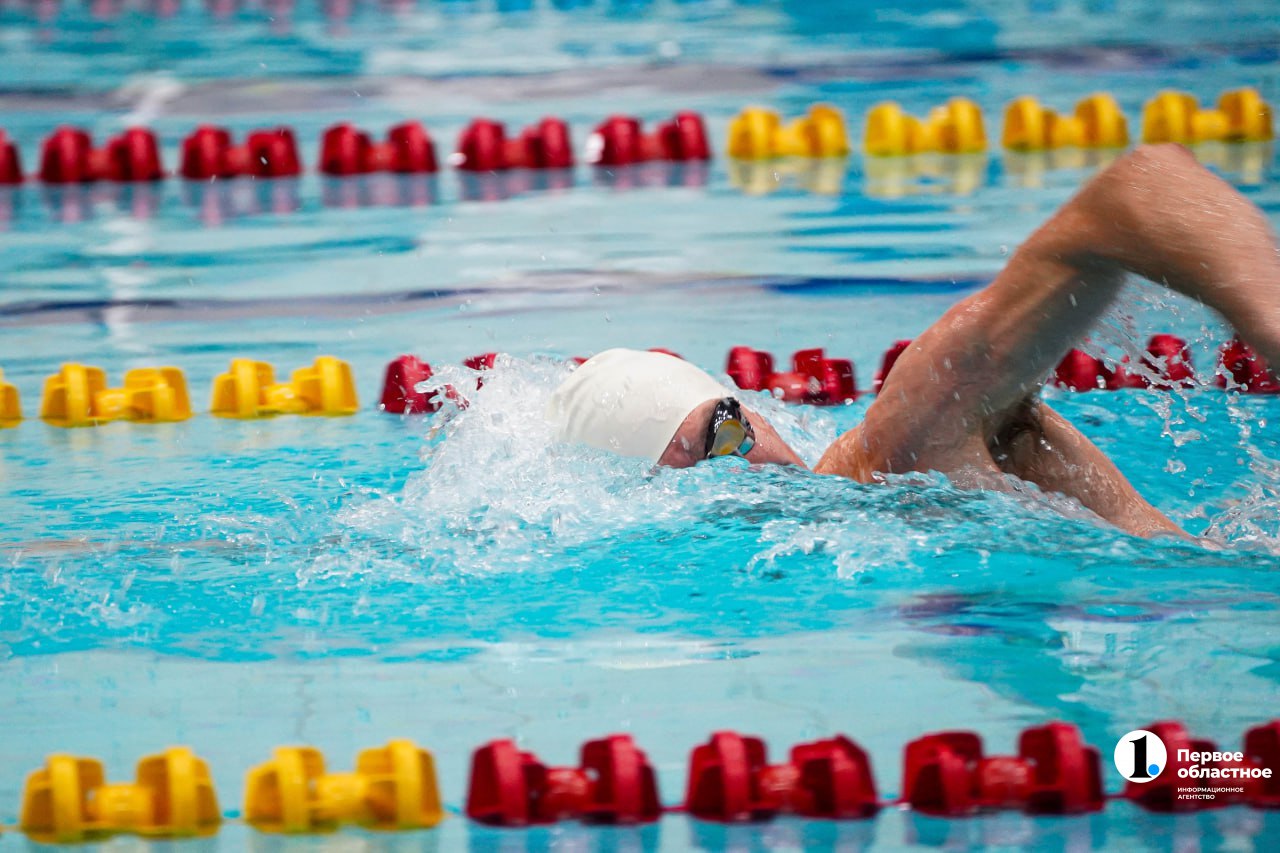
{"points": [[1140, 756]]}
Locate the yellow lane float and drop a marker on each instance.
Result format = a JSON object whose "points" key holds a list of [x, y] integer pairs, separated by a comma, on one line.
{"points": [[1241, 116], [10, 403], [956, 127], [77, 395], [69, 800], [1097, 122], [249, 390], [759, 134], [392, 788]]}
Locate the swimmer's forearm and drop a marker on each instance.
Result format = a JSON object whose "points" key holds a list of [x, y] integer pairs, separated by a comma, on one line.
{"points": [[1164, 217]]}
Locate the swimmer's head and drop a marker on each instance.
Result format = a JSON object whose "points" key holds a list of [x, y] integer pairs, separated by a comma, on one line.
{"points": [[653, 406]]}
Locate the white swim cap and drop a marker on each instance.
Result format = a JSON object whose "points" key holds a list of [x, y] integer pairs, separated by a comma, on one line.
{"points": [[630, 402]]}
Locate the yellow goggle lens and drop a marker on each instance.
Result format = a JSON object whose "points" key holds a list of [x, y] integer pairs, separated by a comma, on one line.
{"points": [[729, 438]]}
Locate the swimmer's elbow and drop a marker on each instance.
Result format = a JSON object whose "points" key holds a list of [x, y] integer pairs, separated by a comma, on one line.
{"points": [[1147, 168], [1140, 188]]}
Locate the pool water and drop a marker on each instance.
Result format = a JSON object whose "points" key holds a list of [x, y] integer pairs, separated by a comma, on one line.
{"points": [[239, 585]]}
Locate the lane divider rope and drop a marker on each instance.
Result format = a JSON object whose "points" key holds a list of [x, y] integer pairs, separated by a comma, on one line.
{"points": [[69, 156], [78, 395], [729, 780]]}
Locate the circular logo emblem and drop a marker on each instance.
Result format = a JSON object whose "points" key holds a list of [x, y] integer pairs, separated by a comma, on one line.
{"points": [[1140, 756]]}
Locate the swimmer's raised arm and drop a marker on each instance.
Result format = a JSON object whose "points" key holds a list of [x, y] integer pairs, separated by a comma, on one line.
{"points": [[961, 399], [1156, 213]]}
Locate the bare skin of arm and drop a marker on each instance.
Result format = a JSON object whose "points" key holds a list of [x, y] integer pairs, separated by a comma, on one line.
{"points": [[961, 399]]}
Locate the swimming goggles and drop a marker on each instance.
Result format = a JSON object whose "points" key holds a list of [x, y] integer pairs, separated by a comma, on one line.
{"points": [[729, 433]]}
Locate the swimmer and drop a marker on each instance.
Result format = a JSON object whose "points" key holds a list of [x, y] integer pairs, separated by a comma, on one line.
{"points": [[963, 398]]}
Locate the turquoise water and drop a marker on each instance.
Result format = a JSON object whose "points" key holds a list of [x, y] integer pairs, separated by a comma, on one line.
{"points": [[236, 585]]}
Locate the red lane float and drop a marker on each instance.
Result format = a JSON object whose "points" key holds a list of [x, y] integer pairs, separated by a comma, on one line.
{"points": [[483, 146], [1246, 370], [614, 784], [1166, 356], [750, 369], [210, 152], [1262, 751], [1055, 772], [813, 379], [484, 361], [347, 150], [1079, 371], [730, 780], [10, 161], [68, 156], [1161, 793], [1173, 356], [725, 780], [891, 356], [621, 141], [400, 394]]}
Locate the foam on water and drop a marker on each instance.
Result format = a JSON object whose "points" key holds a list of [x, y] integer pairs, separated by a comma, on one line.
{"points": [[496, 490]]}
